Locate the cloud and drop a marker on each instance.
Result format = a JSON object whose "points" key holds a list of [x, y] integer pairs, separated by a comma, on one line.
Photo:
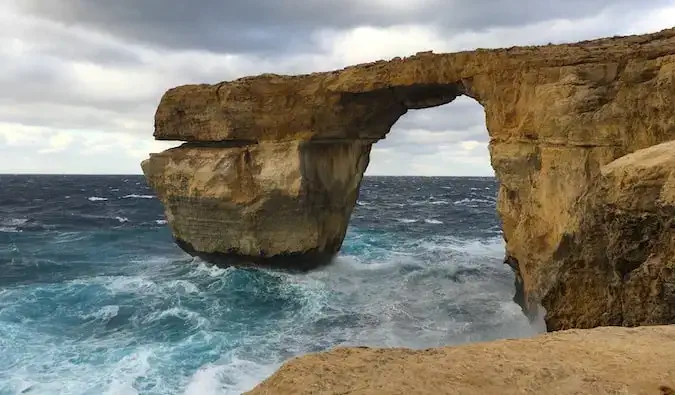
{"points": [[282, 26], [81, 79], [29, 149]]}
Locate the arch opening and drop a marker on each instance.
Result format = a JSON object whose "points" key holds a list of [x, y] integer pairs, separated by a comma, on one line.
{"points": [[448, 139], [427, 208]]}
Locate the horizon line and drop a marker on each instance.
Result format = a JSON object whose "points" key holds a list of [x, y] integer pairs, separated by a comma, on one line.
{"points": [[141, 175]]}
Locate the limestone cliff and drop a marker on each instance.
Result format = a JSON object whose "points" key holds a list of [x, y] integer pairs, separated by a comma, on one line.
{"points": [[272, 163], [637, 361], [616, 262]]}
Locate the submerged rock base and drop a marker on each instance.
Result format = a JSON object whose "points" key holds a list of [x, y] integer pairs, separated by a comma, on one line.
{"points": [[291, 262], [606, 360]]}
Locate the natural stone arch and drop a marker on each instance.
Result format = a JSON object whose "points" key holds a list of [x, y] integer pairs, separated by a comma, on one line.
{"points": [[272, 164]]}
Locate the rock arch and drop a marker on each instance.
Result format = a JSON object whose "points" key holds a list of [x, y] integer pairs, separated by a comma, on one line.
{"points": [[272, 164]]}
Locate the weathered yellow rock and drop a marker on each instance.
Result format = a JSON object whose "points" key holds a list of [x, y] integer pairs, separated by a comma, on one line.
{"points": [[604, 360], [555, 115], [616, 263], [260, 201]]}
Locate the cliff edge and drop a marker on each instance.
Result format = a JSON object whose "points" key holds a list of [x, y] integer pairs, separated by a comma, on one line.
{"points": [[605, 360], [272, 164]]}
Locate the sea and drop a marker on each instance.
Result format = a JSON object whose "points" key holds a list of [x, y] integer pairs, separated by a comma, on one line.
{"points": [[95, 298]]}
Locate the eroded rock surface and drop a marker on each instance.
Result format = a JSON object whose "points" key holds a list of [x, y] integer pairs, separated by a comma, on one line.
{"points": [[273, 163], [605, 360], [616, 264]]}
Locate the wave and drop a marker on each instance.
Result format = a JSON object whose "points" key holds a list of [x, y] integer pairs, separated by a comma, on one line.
{"points": [[472, 202], [135, 196], [132, 314], [432, 221], [235, 376], [104, 313], [96, 199], [12, 225]]}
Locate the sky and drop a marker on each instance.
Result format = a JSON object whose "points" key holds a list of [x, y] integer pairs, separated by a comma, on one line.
{"points": [[80, 79]]}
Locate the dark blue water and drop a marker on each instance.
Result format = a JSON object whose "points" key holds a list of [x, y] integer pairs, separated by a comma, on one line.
{"points": [[96, 299]]}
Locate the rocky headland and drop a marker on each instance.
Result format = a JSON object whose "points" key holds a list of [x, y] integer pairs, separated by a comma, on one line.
{"points": [[581, 141], [272, 164]]}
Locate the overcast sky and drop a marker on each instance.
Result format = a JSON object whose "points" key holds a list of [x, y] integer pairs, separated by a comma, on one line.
{"points": [[80, 79]]}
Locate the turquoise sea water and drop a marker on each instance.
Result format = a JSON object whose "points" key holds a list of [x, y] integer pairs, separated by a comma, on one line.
{"points": [[96, 299]]}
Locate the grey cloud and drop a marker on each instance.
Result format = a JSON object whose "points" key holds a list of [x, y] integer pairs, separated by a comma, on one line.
{"points": [[461, 114], [75, 117], [282, 26]]}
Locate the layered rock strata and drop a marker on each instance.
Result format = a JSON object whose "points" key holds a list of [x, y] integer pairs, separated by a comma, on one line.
{"points": [[637, 361], [272, 164]]}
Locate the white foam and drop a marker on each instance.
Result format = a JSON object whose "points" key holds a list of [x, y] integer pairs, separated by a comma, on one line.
{"points": [[243, 376], [104, 313], [8, 229], [127, 370], [490, 248], [10, 225], [122, 219], [160, 221], [472, 202], [433, 221], [211, 270], [406, 220], [96, 199], [184, 285], [14, 221], [130, 284], [177, 312], [135, 196]]}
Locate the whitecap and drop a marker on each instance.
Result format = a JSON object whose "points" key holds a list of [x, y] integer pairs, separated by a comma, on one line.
{"points": [[8, 229], [185, 285], [472, 202], [491, 247], [11, 225], [96, 199], [135, 196], [360, 203], [433, 221], [439, 202], [406, 220], [131, 284], [122, 219], [211, 270], [14, 221], [160, 221], [104, 313]]}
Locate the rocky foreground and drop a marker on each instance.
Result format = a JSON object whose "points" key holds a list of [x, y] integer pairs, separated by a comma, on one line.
{"points": [[606, 360]]}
